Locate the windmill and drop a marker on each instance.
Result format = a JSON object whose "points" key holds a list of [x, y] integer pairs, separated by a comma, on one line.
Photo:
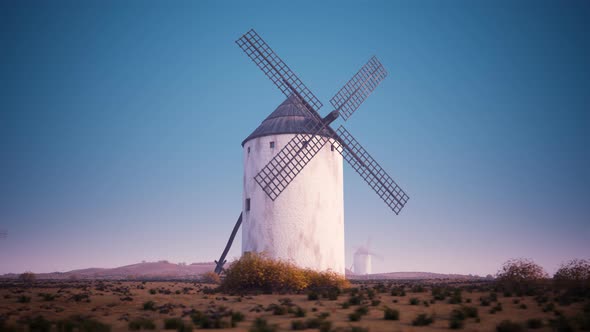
{"points": [[361, 261], [293, 214]]}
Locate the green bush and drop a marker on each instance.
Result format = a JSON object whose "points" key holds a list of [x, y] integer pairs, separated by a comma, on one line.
{"points": [[39, 324], [414, 301], [81, 324], [298, 325], [470, 311], [23, 299], [390, 314], [313, 296], [422, 320], [261, 325], [176, 324], [354, 317], [534, 323], [141, 323], [509, 326], [149, 305]]}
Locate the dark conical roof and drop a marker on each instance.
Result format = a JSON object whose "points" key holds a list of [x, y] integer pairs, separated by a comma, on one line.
{"points": [[289, 118]]}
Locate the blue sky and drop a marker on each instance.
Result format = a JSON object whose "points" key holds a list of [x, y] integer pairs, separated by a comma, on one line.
{"points": [[121, 124]]}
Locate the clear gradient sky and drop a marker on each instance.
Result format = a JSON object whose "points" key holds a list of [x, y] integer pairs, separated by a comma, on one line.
{"points": [[121, 124]]}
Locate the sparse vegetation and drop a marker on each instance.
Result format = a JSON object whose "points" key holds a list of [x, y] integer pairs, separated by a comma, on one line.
{"points": [[390, 314], [27, 277], [521, 276], [142, 323], [82, 324], [422, 320], [509, 326]]}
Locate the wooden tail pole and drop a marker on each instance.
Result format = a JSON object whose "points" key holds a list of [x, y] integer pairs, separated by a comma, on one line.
{"points": [[222, 261]]}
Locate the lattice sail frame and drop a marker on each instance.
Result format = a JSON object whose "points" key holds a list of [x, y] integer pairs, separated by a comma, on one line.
{"points": [[277, 71], [290, 161], [370, 170], [358, 88]]}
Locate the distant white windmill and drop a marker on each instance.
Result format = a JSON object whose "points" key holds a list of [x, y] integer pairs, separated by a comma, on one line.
{"points": [[361, 263]]}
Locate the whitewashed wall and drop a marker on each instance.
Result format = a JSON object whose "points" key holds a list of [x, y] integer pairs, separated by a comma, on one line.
{"points": [[305, 224]]}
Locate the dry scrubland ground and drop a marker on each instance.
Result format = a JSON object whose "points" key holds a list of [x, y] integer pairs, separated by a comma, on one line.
{"points": [[104, 305]]}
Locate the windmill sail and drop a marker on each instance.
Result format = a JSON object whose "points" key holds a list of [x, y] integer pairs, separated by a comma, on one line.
{"points": [[370, 170], [358, 88]]}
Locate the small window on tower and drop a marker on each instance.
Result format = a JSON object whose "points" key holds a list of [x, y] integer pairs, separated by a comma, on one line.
{"points": [[272, 145], [248, 149], [247, 204]]}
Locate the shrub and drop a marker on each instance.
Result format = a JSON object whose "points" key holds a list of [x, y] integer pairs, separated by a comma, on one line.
{"points": [[574, 275], [469, 311], [313, 296], [375, 303], [211, 277], [561, 324], [174, 324], [522, 306], [27, 277], [414, 301], [390, 314], [256, 272], [509, 326], [354, 317], [534, 323], [23, 299], [363, 310], [141, 323], [149, 305], [520, 275], [299, 312], [153, 291], [39, 324], [261, 325], [298, 325], [81, 323], [422, 320]]}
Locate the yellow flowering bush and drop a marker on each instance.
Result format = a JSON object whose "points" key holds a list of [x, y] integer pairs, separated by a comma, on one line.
{"points": [[257, 272]]}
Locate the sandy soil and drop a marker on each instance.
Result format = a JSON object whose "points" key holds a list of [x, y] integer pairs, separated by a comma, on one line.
{"points": [[116, 303]]}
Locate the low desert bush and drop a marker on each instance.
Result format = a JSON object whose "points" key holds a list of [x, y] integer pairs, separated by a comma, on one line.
{"points": [[261, 325], [354, 316], [149, 305], [390, 314], [414, 301], [23, 299], [211, 277], [176, 324], [534, 323], [509, 326], [39, 324], [27, 277], [82, 324], [298, 325], [141, 323], [257, 272], [422, 320]]}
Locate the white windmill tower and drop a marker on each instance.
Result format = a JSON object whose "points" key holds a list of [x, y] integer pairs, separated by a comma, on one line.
{"points": [[361, 261], [295, 153]]}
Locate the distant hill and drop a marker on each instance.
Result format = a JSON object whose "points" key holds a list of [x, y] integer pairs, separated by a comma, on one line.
{"points": [[144, 270], [166, 270], [410, 276]]}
